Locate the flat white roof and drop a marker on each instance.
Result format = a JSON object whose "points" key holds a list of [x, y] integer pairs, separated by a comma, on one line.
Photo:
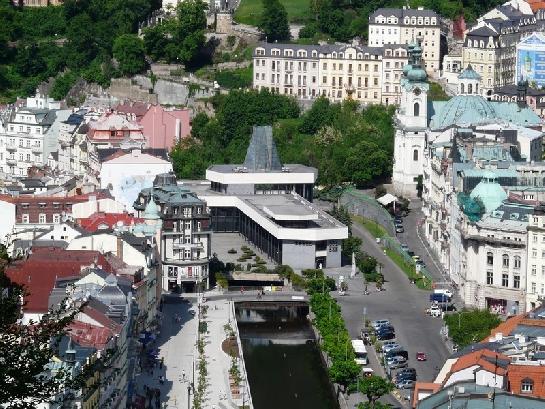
{"points": [[237, 174], [293, 213]]}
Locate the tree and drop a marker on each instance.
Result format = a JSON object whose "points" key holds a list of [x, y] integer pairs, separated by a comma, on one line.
{"points": [[129, 52], [274, 21], [25, 350], [344, 371], [374, 387], [189, 30], [470, 326]]}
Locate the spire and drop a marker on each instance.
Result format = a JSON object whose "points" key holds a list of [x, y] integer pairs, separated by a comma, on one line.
{"points": [[262, 154]]}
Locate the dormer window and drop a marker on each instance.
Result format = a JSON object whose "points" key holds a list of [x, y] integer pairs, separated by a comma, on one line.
{"points": [[527, 385]]}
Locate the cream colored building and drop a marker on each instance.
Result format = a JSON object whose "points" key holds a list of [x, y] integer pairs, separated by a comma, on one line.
{"points": [[536, 258], [338, 71], [403, 26], [490, 45]]}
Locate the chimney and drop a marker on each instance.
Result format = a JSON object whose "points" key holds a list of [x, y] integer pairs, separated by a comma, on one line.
{"points": [[120, 248], [178, 129]]}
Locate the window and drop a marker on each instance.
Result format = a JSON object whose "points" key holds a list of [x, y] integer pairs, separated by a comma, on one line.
{"points": [[505, 261], [489, 277], [187, 254], [533, 290], [416, 109], [527, 385], [41, 218], [517, 261], [505, 280], [489, 258], [25, 219], [534, 269], [516, 281], [56, 218], [415, 155]]}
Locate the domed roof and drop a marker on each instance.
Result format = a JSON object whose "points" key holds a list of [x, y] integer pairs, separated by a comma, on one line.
{"points": [[463, 110], [152, 211], [417, 74], [469, 74], [490, 192], [406, 69]]}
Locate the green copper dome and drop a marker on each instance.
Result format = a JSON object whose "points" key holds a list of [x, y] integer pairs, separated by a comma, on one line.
{"points": [[490, 192], [406, 69], [152, 211], [417, 74]]}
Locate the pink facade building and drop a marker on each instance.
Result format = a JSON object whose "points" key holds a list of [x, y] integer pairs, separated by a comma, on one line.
{"points": [[163, 128], [113, 130]]}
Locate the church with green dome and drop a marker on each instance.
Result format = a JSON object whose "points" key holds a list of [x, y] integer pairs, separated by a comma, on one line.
{"points": [[419, 122]]}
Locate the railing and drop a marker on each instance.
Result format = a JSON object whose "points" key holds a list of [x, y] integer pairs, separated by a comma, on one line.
{"points": [[246, 386]]}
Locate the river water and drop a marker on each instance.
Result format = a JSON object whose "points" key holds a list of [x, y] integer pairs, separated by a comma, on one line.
{"points": [[282, 359]]}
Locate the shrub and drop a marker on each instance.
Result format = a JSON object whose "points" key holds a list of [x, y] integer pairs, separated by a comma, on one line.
{"points": [[232, 251]]}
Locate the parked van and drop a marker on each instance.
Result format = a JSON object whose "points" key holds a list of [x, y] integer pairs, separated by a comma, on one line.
{"points": [[361, 352], [445, 291], [439, 297]]}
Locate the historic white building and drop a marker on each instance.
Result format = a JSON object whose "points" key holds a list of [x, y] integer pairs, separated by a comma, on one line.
{"points": [[406, 25]]}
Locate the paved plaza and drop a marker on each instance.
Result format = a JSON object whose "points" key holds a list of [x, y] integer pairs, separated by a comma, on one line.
{"points": [[223, 242]]}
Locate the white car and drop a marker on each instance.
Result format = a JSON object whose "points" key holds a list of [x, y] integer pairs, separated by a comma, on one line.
{"points": [[434, 311], [445, 291], [389, 347]]}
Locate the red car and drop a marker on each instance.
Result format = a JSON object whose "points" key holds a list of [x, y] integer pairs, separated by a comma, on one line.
{"points": [[421, 356]]}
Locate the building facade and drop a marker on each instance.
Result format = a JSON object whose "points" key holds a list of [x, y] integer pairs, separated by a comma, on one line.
{"points": [[403, 26], [369, 75], [185, 234]]}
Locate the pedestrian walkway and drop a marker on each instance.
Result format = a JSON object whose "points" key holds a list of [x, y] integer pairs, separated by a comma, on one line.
{"points": [[175, 346]]}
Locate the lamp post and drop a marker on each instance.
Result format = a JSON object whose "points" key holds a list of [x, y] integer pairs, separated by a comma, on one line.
{"points": [[188, 396]]}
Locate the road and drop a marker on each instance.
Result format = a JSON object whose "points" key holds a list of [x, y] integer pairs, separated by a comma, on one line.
{"points": [[403, 304]]}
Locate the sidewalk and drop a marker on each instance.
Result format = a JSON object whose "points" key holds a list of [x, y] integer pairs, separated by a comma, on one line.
{"points": [[176, 345]]}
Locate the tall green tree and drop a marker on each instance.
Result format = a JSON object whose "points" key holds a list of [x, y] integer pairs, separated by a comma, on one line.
{"points": [[25, 350], [374, 387], [129, 52], [274, 21], [190, 29]]}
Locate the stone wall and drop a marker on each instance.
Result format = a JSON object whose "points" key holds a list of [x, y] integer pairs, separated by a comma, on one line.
{"points": [[125, 89]]}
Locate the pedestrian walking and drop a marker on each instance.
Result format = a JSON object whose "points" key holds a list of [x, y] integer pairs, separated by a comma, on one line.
{"points": [[183, 375], [162, 362]]}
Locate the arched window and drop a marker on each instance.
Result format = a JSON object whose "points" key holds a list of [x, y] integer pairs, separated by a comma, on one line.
{"points": [[517, 261], [462, 88], [527, 385], [505, 260], [469, 88], [489, 258], [415, 155], [416, 109]]}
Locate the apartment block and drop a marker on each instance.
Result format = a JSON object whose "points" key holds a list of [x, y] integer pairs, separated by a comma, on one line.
{"points": [[403, 26], [338, 71]]}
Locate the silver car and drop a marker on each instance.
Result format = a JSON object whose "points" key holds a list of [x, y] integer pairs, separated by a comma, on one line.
{"points": [[395, 362], [405, 384], [379, 323], [390, 346]]}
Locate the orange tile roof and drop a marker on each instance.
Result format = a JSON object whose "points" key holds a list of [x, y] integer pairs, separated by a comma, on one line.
{"points": [[424, 387], [506, 327], [478, 358], [517, 373], [536, 4]]}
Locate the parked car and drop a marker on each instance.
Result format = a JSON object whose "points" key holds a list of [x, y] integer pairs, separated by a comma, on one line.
{"points": [[386, 335], [400, 229], [421, 356], [447, 307], [434, 311], [406, 371], [384, 328], [405, 384], [402, 376], [445, 291], [404, 247], [391, 345], [398, 219], [379, 323], [386, 344], [410, 253], [439, 298], [397, 352], [396, 362]]}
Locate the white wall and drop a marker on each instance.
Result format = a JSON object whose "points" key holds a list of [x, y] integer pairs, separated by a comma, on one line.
{"points": [[463, 375], [86, 209], [127, 179], [7, 213], [108, 243], [61, 232]]}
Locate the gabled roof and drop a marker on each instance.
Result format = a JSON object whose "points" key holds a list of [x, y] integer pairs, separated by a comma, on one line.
{"points": [[44, 266], [484, 358], [98, 220]]}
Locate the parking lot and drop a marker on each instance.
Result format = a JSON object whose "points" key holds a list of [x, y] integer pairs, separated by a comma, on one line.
{"points": [[403, 305]]}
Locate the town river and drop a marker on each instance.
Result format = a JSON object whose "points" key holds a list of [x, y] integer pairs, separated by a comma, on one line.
{"points": [[283, 362]]}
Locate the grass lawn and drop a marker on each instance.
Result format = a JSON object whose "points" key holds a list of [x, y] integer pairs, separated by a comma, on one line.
{"points": [[372, 227], [408, 268], [249, 11]]}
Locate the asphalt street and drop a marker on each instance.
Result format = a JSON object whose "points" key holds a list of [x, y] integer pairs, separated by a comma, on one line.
{"points": [[403, 304]]}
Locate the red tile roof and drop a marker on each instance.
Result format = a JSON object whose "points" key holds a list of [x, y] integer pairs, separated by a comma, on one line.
{"points": [[102, 319], [424, 387], [517, 373], [506, 327], [478, 358], [46, 264], [536, 4], [107, 221], [88, 335]]}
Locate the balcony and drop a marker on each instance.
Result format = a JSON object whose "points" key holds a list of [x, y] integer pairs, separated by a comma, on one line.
{"points": [[11, 148], [187, 245], [36, 149], [11, 161]]}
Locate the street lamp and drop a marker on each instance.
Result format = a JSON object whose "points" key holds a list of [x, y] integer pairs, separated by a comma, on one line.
{"points": [[188, 396]]}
